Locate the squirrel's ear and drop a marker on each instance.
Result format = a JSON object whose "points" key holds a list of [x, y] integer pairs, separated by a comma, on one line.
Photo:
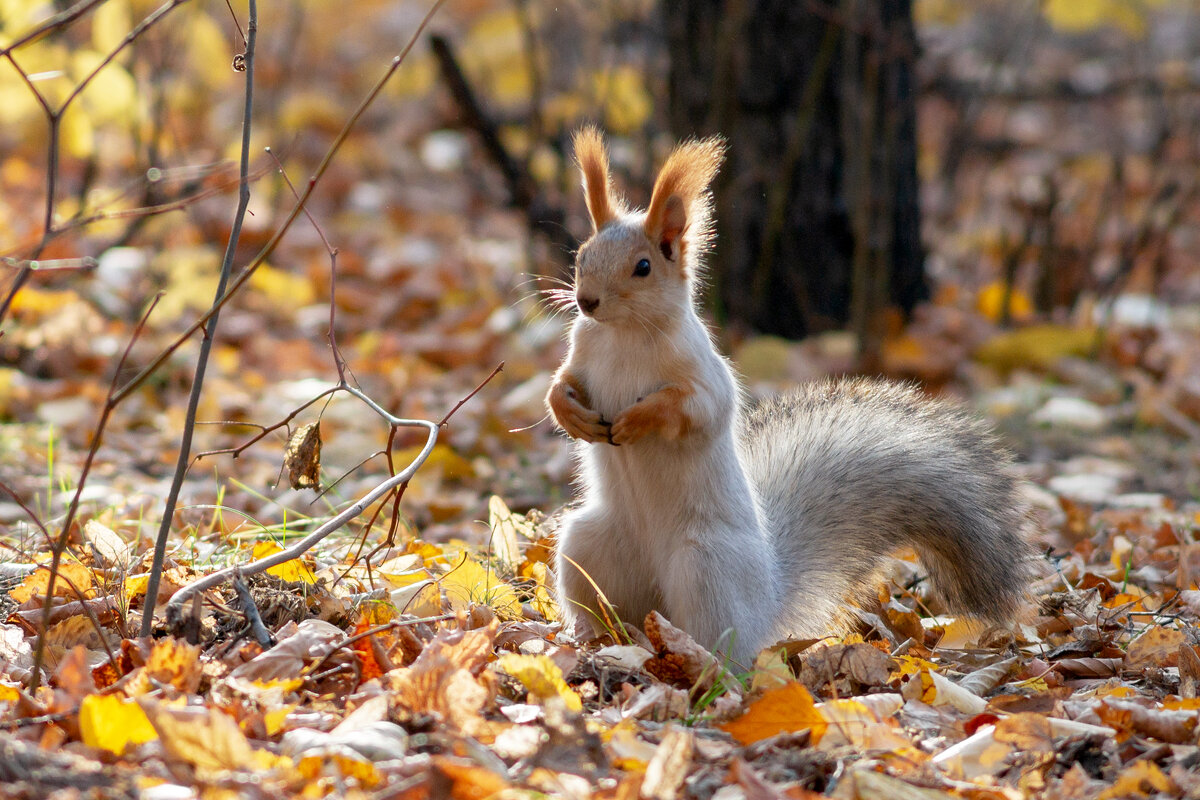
{"points": [[681, 201], [593, 163]]}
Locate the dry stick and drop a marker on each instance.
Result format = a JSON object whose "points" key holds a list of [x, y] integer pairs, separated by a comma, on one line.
{"points": [[338, 361], [59, 546], [253, 618], [394, 525], [210, 332], [59, 20], [265, 253], [175, 604]]}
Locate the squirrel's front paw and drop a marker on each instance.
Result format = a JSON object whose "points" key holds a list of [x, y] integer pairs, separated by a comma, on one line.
{"points": [[579, 421], [659, 413]]}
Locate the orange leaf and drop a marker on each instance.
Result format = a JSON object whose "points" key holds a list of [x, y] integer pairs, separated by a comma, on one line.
{"points": [[35, 584], [784, 710]]}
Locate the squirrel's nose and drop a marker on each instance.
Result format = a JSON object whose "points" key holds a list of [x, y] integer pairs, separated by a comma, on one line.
{"points": [[587, 304]]}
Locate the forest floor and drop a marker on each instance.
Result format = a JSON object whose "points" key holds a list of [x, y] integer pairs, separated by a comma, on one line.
{"points": [[416, 652]]}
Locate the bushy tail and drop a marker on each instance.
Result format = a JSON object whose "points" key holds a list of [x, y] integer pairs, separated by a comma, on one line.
{"points": [[847, 472]]}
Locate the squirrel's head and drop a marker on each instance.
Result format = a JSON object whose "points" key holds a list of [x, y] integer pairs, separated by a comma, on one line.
{"points": [[641, 265]]}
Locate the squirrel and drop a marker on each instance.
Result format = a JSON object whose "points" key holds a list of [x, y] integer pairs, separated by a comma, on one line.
{"points": [[748, 528]]}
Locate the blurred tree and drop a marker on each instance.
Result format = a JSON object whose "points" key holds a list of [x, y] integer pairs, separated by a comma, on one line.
{"points": [[817, 209]]}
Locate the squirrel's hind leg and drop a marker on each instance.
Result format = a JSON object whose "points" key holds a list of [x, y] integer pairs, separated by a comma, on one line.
{"points": [[594, 558], [724, 591]]}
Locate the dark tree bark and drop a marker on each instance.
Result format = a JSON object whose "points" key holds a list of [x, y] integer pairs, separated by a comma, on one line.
{"points": [[817, 215]]}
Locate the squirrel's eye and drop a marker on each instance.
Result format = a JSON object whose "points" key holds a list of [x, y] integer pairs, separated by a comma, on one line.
{"points": [[642, 269]]}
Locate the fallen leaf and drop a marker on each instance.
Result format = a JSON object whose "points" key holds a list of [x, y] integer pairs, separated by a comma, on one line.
{"points": [[541, 677], [113, 724], [788, 709]]}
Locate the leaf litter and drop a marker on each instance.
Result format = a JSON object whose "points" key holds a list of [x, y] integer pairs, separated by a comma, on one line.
{"points": [[437, 668]]}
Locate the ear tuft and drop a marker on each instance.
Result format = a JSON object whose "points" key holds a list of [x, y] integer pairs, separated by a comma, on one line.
{"points": [[592, 157], [681, 203]]}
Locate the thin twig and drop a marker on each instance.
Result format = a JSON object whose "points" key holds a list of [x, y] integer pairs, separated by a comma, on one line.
{"points": [[210, 332], [60, 545], [253, 618], [175, 604]]}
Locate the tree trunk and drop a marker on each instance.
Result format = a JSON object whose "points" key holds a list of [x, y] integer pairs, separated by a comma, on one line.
{"points": [[817, 217]]}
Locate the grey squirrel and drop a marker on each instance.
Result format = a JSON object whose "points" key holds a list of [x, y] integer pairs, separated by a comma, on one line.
{"points": [[744, 529]]}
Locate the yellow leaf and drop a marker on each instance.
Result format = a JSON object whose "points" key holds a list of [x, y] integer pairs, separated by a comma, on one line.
{"points": [[273, 720], [110, 24], [784, 710], [208, 50], [541, 677], [110, 723], [35, 584], [41, 301], [9, 694], [76, 133], [1139, 779], [136, 586], [469, 582], [292, 571], [364, 772], [543, 601], [771, 670], [910, 665], [192, 273], [990, 303], [1079, 16], [508, 529], [283, 288], [627, 103], [1036, 346], [111, 96], [441, 457]]}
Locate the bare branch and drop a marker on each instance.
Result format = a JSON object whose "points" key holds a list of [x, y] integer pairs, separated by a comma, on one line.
{"points": [[210, 333]]}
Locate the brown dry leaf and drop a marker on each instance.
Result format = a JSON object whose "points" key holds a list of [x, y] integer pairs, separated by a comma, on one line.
{"points": [[859, 663], [1027, 732], [669, 767], [755, 788], [872, 785], [74, 675], [1189, 671], [74, 631], [785, 710], [204, 737], [1171, 726], [112, 550], [442, 681], [1090, 667], [679, 660], [302, 457], [174, 662], [298, 645], [1157, 647]]}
